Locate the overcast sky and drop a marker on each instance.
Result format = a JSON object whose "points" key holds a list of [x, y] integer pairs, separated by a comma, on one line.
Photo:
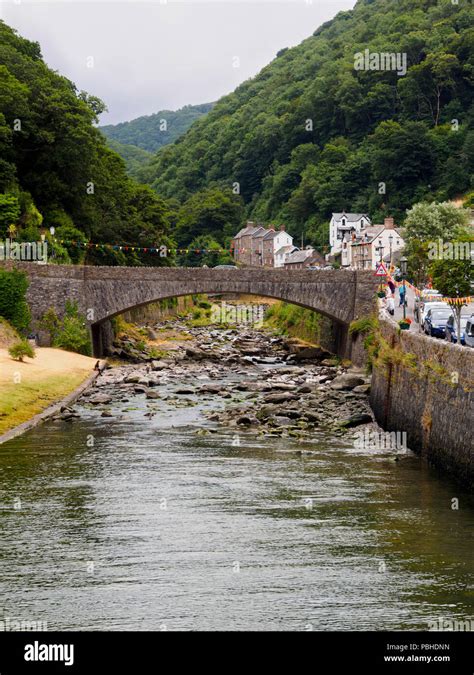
{"points": [[163, 54]]}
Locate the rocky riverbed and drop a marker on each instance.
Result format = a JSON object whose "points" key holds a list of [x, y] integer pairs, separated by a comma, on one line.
{"points": [[247, 379]]}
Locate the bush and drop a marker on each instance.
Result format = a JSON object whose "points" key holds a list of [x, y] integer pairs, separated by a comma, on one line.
{"points": [[70, 333], [13, 306], [21, 349]]}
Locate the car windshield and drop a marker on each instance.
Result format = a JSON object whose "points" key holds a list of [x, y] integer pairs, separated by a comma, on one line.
{"points": [[440, 314]]}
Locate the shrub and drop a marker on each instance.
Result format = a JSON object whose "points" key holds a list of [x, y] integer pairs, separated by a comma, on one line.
{"points": [[13, 306], [21, 349], [72, 333]]}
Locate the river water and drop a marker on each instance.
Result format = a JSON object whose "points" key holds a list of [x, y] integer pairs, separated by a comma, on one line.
{"points": [[139, 523]]}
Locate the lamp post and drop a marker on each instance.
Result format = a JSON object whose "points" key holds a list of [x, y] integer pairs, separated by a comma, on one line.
{"points": [[403, 269], [390, 241]]}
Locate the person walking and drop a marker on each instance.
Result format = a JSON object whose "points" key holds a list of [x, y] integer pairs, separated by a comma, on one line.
{"points": [[401, 293], [390, 302]]}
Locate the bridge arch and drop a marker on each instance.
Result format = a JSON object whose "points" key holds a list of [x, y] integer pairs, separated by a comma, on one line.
{"points": [[104, 292]]}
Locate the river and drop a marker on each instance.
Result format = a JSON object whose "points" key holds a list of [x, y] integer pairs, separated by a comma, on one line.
{"points": [[148, 522]]}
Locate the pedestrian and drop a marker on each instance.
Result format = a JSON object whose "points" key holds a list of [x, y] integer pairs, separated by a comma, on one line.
{"points": [[390, 303], [401, 293]]}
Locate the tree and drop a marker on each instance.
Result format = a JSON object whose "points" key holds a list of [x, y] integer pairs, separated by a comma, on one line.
{"points": [[9, 212], [21, 349], [204, 250], [427, 226], [213, 212], [13, 306], [455, 278]]}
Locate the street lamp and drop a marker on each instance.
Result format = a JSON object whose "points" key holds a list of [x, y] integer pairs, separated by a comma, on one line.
{"points": [[403, 270], [390, 241]]}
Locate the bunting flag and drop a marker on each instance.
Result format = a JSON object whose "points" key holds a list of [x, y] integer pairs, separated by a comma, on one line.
{"points": [[434, 298], [145, 249]]}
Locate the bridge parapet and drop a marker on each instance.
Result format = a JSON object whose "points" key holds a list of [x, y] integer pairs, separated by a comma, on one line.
{"points": [[104, 292]]}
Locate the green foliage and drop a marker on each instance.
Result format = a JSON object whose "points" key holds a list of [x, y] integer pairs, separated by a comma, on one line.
{"points": [[213, 212], [427, 223], [134, 157], [21, 349], [362, 326], [455, 278], [13, 305], [294, 320], [70, 333], [148, 132], [205, 242], [60, 159], [51, 323], [9, 212], [310, 134]]}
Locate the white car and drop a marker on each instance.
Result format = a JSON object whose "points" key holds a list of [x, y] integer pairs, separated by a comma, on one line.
{"points": [[426, 295], [469, 332], [426, 306]]}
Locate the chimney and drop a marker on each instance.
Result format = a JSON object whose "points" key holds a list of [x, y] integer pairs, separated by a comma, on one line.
{"points": [[282, 228], [389, 223]]}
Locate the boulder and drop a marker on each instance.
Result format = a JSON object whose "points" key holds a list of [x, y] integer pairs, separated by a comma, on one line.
{"points": [[196, 354], [362, 389], [132, 378], [356, 420], [281, 397], [100, 399], [158, 365], [248, 420], [346, 381]]}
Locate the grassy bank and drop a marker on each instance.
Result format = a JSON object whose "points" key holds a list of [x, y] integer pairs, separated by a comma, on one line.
{"points": [[295, 321], [28, 388]]}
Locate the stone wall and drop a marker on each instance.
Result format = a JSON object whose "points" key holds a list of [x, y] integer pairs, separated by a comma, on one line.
{"points": [[433, 403]]}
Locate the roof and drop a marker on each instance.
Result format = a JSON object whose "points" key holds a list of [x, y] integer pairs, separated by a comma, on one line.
{"points": [[260, 232], [245, 231], [286, 249], [351, 217], [369, 234], [271, 234], [299, 256]]}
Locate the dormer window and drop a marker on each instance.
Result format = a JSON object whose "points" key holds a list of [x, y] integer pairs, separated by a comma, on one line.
{"points": [[343, 222]]}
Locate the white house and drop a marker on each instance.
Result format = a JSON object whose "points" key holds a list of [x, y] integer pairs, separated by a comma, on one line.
{"points": [[343, 228], [282, 254], [380, 242]]}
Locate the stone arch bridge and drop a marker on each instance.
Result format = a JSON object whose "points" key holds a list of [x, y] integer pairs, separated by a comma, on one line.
{"points": [[104, 292]]}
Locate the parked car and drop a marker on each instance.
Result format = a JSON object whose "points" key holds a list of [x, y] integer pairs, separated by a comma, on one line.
{"points": [[425, 296], [436, 320], [469, 332], [425, 308], [452, 327], [225, 267]]}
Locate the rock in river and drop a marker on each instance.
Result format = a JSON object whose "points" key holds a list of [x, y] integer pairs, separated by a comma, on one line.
{"points": [[346, 381]]}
